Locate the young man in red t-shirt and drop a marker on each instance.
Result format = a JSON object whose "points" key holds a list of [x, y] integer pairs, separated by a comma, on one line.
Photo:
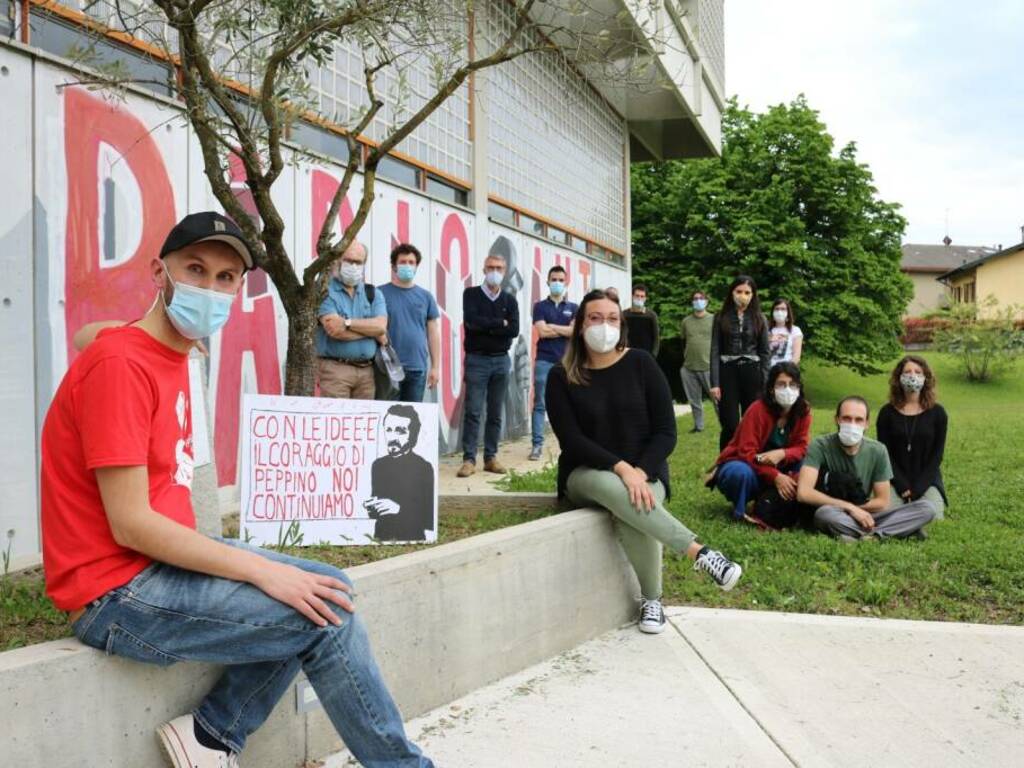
{"points": [[122, 555]]}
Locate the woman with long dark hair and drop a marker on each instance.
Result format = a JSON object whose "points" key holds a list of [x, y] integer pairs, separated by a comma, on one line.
{"points": [[912, 426], [769, 444], [785, 339], [739, 355], [611, 409]]}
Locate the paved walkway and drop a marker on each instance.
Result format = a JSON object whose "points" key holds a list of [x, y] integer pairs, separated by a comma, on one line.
{"points": [[752, 689]]}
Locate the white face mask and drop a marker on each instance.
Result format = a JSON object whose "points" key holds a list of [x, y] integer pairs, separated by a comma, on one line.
{"points": [[912, 382], [850, 434], [786, 396], [601, 338], [350, 274], [780, 315]]}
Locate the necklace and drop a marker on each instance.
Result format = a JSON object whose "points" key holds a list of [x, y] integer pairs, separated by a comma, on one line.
{"points": [[908, 429]]}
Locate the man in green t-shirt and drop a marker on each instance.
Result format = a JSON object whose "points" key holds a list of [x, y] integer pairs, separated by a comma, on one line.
{"points": [[695, 333], [848, 451]]}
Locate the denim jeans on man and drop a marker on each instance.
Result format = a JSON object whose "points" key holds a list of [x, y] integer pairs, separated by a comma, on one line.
{"points": [[168, 614], [412, 387], [486, 378], [541, 369]]}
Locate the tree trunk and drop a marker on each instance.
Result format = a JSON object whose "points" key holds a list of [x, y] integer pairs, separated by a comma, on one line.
{"points": [[300, 363]]}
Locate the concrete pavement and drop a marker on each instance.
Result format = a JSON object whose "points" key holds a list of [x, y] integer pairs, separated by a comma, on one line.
{"points": [[744, 688]]}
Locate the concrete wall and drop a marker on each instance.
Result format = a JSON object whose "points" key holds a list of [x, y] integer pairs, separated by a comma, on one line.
{"points": [[92, 187], [443, 621]]}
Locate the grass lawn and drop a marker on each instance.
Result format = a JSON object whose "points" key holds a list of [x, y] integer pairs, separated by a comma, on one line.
{"points": [[27, 616], [970, 569]]}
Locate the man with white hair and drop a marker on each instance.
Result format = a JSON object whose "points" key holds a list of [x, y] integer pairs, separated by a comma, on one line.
{"points": [[353, 321]]}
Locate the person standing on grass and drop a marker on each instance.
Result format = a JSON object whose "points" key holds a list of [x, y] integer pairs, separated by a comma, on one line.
{"points": [[552, 317], [353, 320], [912, 427], [121, 554], [642, 323], [770, 444], [739, 355], [864, 510], [413, 328], [491, 320], [611, 409], [785, 340], [695, 333]]}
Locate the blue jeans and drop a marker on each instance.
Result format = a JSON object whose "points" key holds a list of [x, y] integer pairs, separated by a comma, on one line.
{"points": [[167, 614], [541, 369], [412, 387], [739, 484], [486, 377]]}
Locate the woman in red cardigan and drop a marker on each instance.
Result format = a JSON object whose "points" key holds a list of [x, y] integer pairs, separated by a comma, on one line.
{"points": [[769, 444]]}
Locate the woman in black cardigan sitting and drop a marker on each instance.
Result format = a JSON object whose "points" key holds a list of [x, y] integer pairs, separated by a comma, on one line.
{"points": [[611, 409], [912, 425]]}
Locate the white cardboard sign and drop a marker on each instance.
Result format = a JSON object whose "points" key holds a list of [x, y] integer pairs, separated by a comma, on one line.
{"points": [[337, 471]]}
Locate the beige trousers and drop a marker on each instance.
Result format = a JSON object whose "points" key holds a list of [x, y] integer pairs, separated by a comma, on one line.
{"points": [[339, 379]]}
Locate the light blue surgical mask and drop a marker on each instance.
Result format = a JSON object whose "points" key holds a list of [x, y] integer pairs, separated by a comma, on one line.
{"points": [[197, 312], [700, 304], [493, 277], [557, 287], [405, 272]]}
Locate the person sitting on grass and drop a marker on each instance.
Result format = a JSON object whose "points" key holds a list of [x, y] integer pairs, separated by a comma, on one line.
{"points": [[912, 427], [845, 478], [122, 556], [611, 409], [769, 444]]}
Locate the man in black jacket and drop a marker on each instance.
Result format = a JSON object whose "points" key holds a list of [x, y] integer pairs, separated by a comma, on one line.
{"points": [[402, 482], [491, 320]]}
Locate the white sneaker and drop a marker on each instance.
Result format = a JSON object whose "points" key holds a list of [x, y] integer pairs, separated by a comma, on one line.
{"points": [[652, 617], [178, 738]]}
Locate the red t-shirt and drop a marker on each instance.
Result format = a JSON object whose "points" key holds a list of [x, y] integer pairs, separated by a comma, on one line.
{"points": [[123, 403]]}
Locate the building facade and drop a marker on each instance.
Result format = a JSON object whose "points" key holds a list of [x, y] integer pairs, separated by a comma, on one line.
{"points": [[531, 153], [997, 275], [925, 264]]}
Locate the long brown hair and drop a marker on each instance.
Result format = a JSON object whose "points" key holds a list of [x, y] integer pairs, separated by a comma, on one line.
{"points": [[898, 398], [576, 351]]}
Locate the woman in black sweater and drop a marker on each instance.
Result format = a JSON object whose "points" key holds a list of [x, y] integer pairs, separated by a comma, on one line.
{"points": [[739, 355], [912, 425], [611, 409]]}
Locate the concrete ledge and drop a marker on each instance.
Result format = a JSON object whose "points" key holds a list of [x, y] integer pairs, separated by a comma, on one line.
{"points": [[443, 622]]}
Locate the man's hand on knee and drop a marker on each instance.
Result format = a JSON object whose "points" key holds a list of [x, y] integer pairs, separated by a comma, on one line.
{"points": [[306, 592]]}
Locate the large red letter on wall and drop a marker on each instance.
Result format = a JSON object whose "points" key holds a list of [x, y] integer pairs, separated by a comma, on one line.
{"points": [[121, 291]]}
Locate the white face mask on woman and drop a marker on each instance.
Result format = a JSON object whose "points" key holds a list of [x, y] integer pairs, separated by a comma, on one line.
{"points": [[779, 315], [787, 396], [601, 338]]}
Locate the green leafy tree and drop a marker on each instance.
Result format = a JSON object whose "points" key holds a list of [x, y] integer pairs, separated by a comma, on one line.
{"points": [[782, 206]]}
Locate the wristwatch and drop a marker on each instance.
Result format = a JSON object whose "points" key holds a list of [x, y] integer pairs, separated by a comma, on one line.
{"points": [[348, 323]]}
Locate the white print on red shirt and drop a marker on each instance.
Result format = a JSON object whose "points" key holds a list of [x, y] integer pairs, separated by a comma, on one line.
{"points": [[183, 453]]}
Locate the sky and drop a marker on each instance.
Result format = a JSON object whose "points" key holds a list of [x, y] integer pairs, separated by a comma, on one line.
{"points": [[931, 91]]}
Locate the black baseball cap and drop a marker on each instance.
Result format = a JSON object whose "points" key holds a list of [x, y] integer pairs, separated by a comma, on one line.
{"points": [[206, 226]]}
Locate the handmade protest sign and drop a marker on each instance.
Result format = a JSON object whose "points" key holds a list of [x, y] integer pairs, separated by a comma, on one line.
{"points": [[329, 470]]}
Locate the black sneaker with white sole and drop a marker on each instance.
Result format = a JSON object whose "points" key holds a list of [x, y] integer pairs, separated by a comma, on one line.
{"points": [[652, 617], [723, 570]]}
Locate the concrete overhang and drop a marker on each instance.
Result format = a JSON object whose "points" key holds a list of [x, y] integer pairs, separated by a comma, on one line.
{"points": [[651, 72]]}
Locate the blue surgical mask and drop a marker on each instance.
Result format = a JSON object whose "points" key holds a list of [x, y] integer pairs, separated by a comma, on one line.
{"points": [[493, 277], [700, 304], [197, 312], [557, 287], [406, 272]]}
